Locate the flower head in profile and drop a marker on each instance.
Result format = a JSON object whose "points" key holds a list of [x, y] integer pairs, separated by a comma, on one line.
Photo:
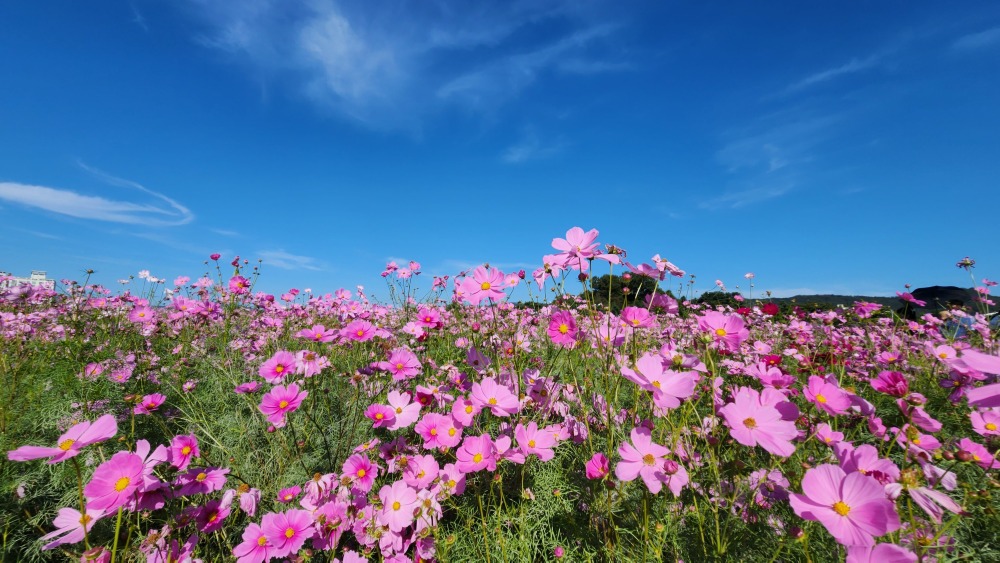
{"points": [[597, 467], [71, 526], [149, 403], [70, 443], [852, 506]]}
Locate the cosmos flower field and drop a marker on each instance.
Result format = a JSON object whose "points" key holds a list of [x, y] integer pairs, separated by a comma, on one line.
{"points": [[205, 421]]}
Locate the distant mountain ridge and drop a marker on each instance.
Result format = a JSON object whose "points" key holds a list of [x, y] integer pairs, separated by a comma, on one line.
{"points": [[833, 300]]}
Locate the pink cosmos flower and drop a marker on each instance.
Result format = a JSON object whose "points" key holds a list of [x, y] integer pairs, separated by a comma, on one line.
{"points": [[281, 401], [531, 440], [577, 248], [318, 333], [827, 435], [881, 553], [278, 366], [201, 480], [71, 526], [287, 531], [142, 314], [289, 494], [360, 471], [464, 411], [380, 415], [114, 482], [309, 363], [438, 431], [359, 330], [729, 331], [597, 467], [428, 318], [256, 548], [642, 458], [484, 284], [476, 453], [239, 285], [421, 471], [853, 507], [636, 317], [405, 411], [979, 453], [70, 443], [753, 422], [562, 329], [986, 422], [489, 394], [398, 503], [891, 383], [827, 396], [402, 364], [667, 386], [212, 516], [149, 403], [182, 449]]}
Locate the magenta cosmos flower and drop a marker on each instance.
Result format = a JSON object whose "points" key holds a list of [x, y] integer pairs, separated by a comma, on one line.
{"points": [[828, 397], [402, 364], [360, 471], [70, 443], [642, 458], [287, 531], [255, 547], [149, 403], [667, 386], [853, 507], [183, 448], [71, 526], [562, 329], [576, 248], [476, 453], [753, 422], [597, 467], [114, 482], [278, 366], [531, 440], [281, 401], [881, 553]]}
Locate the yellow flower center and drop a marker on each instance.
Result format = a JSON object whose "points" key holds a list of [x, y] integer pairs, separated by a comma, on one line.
{"points": [[214, 516], [360, 332], [201, 476], [648, 459], [186, 450], [720, 332], [477, 458], [399, 410], [492, 401], [122, 483], [399, 365], [451, 431], [361, 472], [85, 518], [289, 532], [379, 416], [485, 286], [433, 432], [282, 404], [279, 368], [841, 508], [468, 409], [656, 384], [262, 541], [531, 443], [820, 399], [635, 322], [750, 423], [989, 426], [66, 444], [396, 505], [563, 328]]}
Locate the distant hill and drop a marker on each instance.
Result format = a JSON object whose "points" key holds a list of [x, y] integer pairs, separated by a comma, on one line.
{"points": [[834, 300]]}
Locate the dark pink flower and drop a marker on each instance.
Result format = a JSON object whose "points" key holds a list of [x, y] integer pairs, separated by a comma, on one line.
{"points": [[114, 482], [597, 467], [287, 531], [280, 401]]}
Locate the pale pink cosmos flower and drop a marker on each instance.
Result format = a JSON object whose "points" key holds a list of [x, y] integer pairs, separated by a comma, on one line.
{"points": [[280, 401], [881, 553], [438, 431], [398, 504], [405, 411], [287, 531], [754, 422], [484, 284], [114, 482], [421, 471], [71, 442], [71, 526], [278, 366], [642, 458], [986, 422], [577, 248], [309, 363], [488, 394], [667, 386], [142, 314], [853, 507], [318, 333], [636, 317], [359, 330]]}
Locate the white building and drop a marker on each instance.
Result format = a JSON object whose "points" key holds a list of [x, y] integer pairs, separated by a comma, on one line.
{"points": [[37, 279]]}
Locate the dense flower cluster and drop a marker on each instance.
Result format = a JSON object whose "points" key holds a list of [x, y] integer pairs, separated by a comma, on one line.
{"points": [[711, 404]]}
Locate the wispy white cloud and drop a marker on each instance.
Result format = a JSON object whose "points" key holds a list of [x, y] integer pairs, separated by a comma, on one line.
{"points": [[157, 211], [742, 198], [853, 66], [287, 261], [225, 232], [977, 41], [531, 147], [388, 64]]}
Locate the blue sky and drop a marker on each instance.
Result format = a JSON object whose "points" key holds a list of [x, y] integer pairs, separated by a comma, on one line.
{"points": [[826, 147]]}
